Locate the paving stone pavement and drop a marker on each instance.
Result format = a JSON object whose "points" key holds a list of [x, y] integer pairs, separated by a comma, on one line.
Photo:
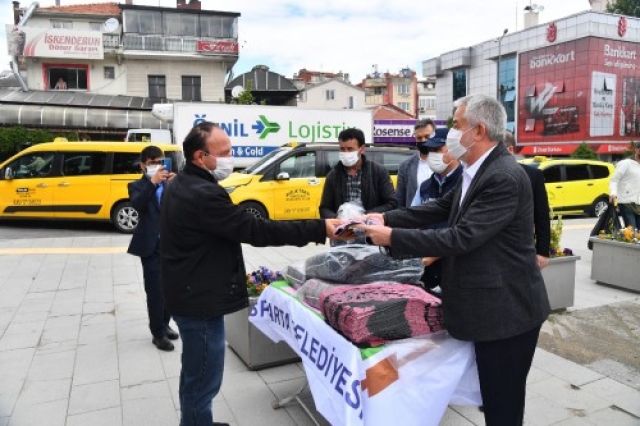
{"points": [[75, 349]]}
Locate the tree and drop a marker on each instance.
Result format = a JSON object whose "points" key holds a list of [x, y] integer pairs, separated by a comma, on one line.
{"points": [[584, 152], [246, 97], [624, 7]]}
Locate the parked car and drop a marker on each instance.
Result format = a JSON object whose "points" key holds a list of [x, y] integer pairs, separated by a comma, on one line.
{"points": [[287, 183], [575, 186], [75, 180]]}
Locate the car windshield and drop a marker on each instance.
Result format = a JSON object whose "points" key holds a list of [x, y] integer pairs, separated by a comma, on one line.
{"points": [[257, 167]]}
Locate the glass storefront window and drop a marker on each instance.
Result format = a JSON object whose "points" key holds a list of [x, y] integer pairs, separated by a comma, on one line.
{"points": [[507, 88]]}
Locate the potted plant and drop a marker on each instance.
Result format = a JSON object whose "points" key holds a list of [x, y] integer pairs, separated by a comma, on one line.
{"points": [[615, 258], [560, 274], [254, 348]]}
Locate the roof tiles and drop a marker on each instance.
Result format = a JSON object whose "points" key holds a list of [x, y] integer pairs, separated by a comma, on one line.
{"points": [[86, 9]]}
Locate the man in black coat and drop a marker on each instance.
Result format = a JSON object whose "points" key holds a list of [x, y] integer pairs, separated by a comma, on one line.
{"points": [[203, 271], [541, 219], [145, 195], [356, 179], [492, 288]]}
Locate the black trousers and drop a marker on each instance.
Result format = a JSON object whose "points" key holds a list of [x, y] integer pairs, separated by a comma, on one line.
{"points": [[503, 366], [158, 316]]}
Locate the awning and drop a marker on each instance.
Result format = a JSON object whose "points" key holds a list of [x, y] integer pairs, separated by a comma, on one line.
{"points": [[613, 148], [548, 149]]}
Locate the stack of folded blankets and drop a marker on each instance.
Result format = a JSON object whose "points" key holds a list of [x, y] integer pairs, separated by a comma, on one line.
{"points": [[371, 315], [361, 264]]}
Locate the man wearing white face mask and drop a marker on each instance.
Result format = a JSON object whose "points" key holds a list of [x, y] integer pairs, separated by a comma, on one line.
{"points": [[146, 196], [203, 272], [492, 289], [446, 169], [356, 179]]}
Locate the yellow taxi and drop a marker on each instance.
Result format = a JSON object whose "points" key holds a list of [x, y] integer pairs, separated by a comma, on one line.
{"points": [[287, 183], [75, 180], [575, 185]]}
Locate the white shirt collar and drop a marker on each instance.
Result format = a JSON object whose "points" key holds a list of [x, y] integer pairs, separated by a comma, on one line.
{"points": [[472, 170]]}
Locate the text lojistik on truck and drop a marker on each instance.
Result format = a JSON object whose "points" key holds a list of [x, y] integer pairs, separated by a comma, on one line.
{"points": [[256, 130]]}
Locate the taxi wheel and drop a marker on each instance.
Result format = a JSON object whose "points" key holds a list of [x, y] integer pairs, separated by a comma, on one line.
{"points": [[255, 209], [598, 207], [124, 217]]}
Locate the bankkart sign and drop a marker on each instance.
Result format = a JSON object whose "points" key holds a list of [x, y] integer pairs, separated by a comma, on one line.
{"points": [[55, 43], [582, 90]]}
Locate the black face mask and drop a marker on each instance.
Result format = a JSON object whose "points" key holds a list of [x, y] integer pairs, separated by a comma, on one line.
{"points": [[423, 149]]}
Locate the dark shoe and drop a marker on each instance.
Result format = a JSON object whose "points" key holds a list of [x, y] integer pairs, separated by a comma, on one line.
{"points": [[220, 424], [171, 335], [163, 343]]}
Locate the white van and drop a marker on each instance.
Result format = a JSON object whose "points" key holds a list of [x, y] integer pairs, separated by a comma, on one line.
{"points": [[149, 135]]}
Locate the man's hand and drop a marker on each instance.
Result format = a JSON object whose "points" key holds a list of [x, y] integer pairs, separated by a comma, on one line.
{"points": [[542, 261], [613, 198], [330, 226], [379, 217], [160, 176], [428, 261], [380, 235]]}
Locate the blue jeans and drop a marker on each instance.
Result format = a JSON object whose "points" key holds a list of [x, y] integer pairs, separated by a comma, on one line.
{"points": [[202, 367], [630, 218]]}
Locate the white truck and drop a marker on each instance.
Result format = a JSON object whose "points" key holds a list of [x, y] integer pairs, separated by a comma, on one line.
{"points": [[256, 130]]}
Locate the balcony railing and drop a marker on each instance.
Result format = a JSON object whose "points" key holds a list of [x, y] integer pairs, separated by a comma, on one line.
{"points": [[159, 43], [110, 41]]}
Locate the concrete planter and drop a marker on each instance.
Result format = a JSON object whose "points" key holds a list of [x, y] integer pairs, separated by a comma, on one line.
{"points": [[616, 263], [560, 281], [254, 348]]}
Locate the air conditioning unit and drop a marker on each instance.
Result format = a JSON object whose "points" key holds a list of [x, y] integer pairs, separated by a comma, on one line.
{"points": [[422, 109]]}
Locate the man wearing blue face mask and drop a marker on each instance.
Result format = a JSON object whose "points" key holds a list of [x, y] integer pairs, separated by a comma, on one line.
{"points": [[492, 289], [356, 179]]}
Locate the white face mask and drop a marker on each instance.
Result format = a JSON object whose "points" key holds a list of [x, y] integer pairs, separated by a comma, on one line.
{"points": [[349, 159], [456, 149], [436, 162], [152, 170], [224, 168]]}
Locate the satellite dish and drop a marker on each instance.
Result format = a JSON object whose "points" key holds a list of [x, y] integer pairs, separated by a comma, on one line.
{"points": [[236, 91], [111, 25]]}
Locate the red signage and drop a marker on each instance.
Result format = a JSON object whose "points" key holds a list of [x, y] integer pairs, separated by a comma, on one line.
{"points": [[224, 47], [611, 148], [548, 150], [552, 32], [582, 90], [622, 26]]}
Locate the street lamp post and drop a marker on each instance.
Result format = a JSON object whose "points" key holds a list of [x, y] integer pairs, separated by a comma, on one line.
{"points": [[499, 40]]}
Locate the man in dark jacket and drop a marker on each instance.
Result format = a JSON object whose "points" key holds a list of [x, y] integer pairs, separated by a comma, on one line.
{"points": [[203, 272], [492, 288], [541, 219], [146, 195], [356, 179], [415, 170]]}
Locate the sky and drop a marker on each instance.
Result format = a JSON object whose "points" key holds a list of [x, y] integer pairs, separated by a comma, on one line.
{"points": [[352, 36]]}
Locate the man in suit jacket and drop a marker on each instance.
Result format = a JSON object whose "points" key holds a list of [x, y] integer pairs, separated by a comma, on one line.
{"points": [[492, 290], [541, 219], [145, 195], [415, 170]]}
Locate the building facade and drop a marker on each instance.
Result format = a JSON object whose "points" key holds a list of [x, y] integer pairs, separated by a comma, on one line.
{"points": [[562, 83], [399, 89], [107, 60], [427, 98], [331, 93]]}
